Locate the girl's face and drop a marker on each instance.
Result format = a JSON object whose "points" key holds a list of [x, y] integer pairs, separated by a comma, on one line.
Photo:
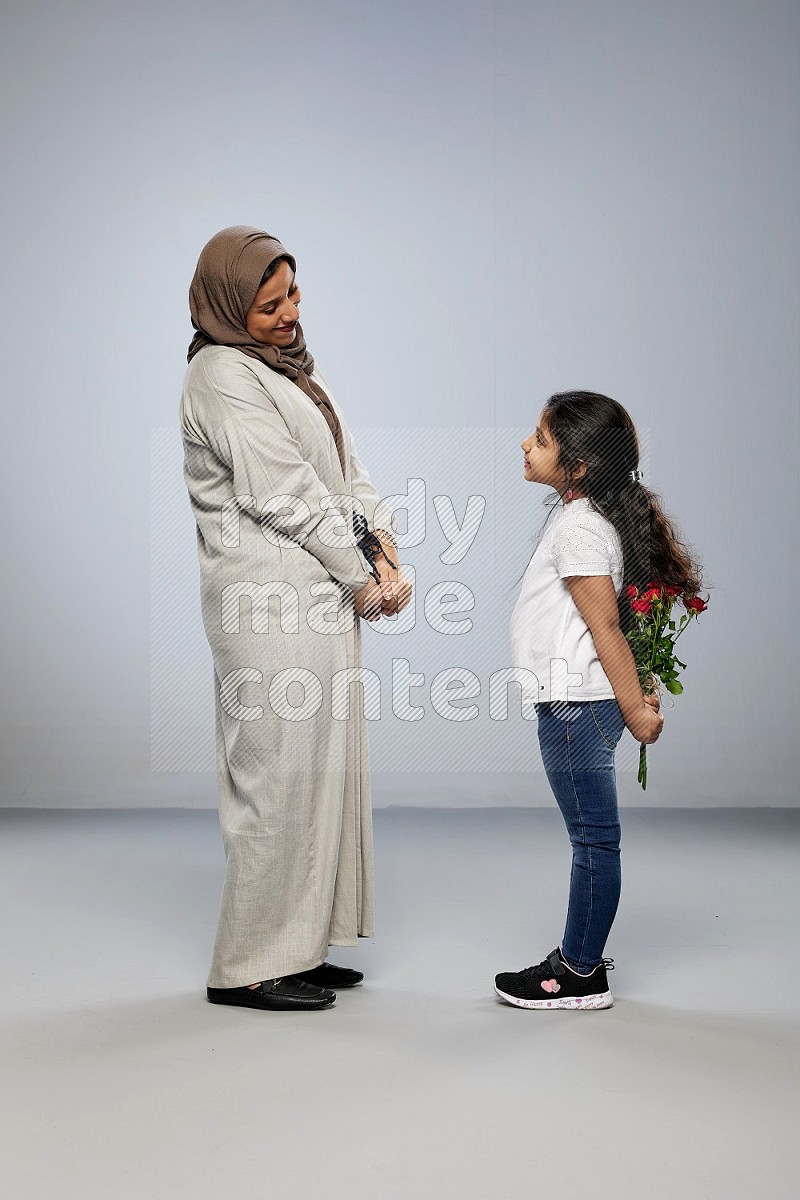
{"points": [[274, 313], [541, 459]]}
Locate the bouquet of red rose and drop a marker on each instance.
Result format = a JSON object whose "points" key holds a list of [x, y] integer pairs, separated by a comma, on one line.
{"points": [[652, 643]]}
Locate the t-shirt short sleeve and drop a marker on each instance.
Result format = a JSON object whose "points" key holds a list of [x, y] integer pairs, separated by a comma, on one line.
{"points": [[585, 546]]}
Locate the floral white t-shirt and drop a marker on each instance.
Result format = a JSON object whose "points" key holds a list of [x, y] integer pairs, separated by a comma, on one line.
{"points": [[547, 632]]}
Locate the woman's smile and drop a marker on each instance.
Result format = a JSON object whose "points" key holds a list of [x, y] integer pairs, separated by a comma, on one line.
{"points": [[277, 295]]}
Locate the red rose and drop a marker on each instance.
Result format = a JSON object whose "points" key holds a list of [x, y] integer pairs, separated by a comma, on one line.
{"points": [[642, 605], [672, 591], [695, 604], [652, 593], [632, 591]]}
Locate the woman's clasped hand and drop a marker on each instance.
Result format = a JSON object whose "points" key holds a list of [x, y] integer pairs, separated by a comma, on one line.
{"points": [[389, 594]]}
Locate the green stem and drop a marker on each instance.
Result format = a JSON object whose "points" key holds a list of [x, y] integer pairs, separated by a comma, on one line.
{"points": [[641, 775], [687, 622], [656, 631]]}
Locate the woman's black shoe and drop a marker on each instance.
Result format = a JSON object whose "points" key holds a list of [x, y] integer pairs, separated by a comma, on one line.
{"points": [[329, 976], [288, 992]]}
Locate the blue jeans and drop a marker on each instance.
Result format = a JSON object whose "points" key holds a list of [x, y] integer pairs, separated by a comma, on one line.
{"points": [[578, 740]]}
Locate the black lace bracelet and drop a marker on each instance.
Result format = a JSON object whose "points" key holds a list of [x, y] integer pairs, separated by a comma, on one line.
{"points": [[369, 544]]}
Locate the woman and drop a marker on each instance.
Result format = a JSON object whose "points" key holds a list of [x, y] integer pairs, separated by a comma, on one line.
{"points": [[274, 479]]}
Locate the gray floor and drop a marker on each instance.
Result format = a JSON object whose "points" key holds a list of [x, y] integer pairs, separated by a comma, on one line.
{"points": [[119, 1080]]}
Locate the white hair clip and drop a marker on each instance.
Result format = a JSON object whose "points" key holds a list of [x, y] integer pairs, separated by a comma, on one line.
{"points": [[636, 475]]}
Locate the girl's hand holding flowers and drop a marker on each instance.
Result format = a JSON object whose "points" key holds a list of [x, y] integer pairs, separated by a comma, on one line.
{"points": [[648, 729], [652, 643]]}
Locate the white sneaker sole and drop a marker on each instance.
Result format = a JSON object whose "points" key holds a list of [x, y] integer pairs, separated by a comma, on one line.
{"points": [[601, 1000]]}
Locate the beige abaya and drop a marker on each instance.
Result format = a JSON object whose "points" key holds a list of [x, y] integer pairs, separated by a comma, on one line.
{"points": [[260, 463]]}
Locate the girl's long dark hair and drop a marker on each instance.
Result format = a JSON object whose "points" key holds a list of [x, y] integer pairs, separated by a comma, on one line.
{"points": [[595, 430]]}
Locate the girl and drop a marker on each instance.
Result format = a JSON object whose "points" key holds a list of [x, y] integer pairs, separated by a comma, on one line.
{"points": [[568, 627]]}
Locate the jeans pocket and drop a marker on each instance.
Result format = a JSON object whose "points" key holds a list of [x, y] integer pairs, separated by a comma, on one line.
{"points": [[609, 721]]}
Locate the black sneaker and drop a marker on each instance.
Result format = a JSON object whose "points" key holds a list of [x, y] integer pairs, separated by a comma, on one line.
{"points": [[553, 984]]}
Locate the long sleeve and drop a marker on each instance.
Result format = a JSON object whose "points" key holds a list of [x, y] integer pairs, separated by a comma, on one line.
{"points": [[363, 489], [248, 434], [361, 486]]}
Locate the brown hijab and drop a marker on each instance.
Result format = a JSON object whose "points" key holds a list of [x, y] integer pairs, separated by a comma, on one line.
{"points": [[228, 275]]}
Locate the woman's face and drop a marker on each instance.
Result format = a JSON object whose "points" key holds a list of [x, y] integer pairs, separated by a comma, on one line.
{"points": [[274, 313]]}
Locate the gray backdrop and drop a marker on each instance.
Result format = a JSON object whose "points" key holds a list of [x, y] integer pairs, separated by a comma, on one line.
{"points": [[488, 203]]}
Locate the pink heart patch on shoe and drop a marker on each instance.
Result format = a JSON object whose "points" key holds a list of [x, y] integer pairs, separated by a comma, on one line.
{"points": [[550, 985]]}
